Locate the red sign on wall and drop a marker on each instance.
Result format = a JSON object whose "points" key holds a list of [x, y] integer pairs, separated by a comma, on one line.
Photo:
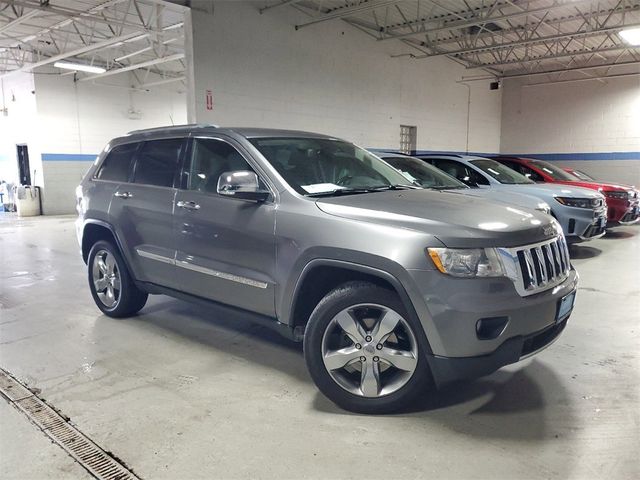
{"points": [[209, 97]]}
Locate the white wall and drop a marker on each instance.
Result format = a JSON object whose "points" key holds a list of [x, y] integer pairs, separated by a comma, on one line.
{"points": [[76, 120], [17, 126], [331, 78], [597, 123]]}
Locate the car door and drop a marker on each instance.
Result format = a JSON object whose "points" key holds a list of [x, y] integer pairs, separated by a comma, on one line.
{"points": [[142, 210], [225, 246]]}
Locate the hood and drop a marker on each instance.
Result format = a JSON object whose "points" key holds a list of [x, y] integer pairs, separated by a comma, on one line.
{"points": [[458, 221], [598, 185], [556, 190], [498, 195]]}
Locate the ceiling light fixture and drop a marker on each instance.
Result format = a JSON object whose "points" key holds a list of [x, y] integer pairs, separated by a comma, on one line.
{"points": [[631, 36], [79, 67]]}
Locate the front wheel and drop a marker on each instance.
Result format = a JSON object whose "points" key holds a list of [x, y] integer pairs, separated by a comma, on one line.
{"points": [[363, 350], [112, 287]]}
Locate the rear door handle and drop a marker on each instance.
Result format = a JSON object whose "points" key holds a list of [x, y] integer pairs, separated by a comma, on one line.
{"points": [[188, 205], [123, 194]]}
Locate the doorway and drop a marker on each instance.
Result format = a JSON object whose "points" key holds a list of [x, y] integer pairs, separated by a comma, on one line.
{"points": [[24, 170]]}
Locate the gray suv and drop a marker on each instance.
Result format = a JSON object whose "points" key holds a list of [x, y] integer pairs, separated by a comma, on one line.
{"points": [[392, 288]]}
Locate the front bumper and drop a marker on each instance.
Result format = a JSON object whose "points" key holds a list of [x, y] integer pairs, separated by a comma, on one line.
{"points": [[450, 311], [446, 370], [583, 224], [623, 212]]}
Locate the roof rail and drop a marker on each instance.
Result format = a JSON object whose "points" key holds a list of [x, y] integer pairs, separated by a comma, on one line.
{"points": [[173, 127]]}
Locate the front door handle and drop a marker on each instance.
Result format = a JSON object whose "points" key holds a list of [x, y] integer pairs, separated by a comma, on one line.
{"points": [[123, 194], [188, 205]]}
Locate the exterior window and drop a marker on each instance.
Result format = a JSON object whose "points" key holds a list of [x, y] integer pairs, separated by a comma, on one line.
{"points": [[210, 159], [117, 166], [157, 162], [408, 139]]}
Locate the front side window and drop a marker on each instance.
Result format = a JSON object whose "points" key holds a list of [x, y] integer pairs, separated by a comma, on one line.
{"points": [[424, 174], [554, 172], [460, 171], [117, 166], [500, 172], [210, 159], [157, 162], [320, 166]]}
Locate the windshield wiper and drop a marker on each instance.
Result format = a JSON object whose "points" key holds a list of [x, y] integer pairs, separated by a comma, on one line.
{"points": [[447, 187], [353, 191]]}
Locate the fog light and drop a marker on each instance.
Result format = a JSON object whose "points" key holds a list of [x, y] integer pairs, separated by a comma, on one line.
{"points": [[491, 327]]}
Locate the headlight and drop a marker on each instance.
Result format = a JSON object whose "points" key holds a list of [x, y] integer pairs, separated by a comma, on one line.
{"points": [[575, 202], [467, 262], [544, 208], [618, 195]]}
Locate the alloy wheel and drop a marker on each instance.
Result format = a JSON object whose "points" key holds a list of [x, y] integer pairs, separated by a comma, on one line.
{"points": [[106, 278], [369, 350]]}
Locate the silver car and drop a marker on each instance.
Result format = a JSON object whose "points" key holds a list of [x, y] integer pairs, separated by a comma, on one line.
{"points": [[581, 212], [428, 176], [392, 288]]}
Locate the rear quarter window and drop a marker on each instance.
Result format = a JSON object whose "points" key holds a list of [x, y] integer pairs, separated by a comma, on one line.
{"points": [[117, 165]]}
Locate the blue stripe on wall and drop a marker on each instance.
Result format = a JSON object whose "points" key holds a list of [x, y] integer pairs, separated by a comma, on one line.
{"points": [[539, 156], [67, 157], [79, 157]]}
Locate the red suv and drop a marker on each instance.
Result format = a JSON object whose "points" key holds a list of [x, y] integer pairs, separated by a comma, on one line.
{"points": [[622, 200]]}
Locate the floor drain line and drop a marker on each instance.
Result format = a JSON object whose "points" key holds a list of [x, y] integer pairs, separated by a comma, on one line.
{"points": [[94, 459]]}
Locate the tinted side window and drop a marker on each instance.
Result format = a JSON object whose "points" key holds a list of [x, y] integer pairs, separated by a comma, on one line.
{"points": [[475, 178], [210, 159], [117, 165], [455, 169], [157, 162], [529, 173]]}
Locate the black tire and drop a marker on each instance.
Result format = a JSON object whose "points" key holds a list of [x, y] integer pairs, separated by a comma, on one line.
{"points": [[130, 298], [345, 296]]}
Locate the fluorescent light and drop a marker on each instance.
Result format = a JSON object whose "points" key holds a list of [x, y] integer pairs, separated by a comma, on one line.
{"points": [[80, 67], [631, 36]]}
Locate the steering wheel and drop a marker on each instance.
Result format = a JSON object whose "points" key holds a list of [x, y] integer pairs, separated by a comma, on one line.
{"points": [[344, 180]]}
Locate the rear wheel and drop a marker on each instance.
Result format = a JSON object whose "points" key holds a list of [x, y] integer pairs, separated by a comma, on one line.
{"points": [[364, 351], [111, 285]]}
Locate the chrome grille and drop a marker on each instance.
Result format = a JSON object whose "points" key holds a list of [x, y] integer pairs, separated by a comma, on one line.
{"points": [[538, 267]]}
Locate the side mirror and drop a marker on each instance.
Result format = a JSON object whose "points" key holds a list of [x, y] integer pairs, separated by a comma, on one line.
{"points": [[241, 184]]}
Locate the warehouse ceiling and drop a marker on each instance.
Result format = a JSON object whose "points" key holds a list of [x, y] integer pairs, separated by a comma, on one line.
{"points": [[502, 37], [561, 39], [144, 37]]}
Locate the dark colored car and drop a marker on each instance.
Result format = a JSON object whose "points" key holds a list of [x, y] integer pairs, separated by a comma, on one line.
{"points": [[622, 200]]}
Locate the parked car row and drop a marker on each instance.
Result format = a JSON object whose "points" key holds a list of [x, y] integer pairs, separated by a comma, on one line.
{"points": [[584, 208], [395, 275]]}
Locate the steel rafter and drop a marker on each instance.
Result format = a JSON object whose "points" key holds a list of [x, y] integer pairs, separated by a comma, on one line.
{"points": [[34, 33]]}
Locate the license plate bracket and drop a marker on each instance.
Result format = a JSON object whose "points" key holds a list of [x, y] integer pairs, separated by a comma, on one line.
{"points": [[565, 306]]}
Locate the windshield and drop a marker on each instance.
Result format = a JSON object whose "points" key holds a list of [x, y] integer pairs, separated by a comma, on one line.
{"points": [[554, 172], [582, 176], [500, 172], [424, 174], [316, 166]]}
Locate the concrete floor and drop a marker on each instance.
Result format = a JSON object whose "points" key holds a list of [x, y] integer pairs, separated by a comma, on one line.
{"points": [[178, 393]]}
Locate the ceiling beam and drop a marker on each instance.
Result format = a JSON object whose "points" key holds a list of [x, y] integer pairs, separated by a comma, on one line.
{"points": [[572, 69], [276, 5], [483, 21], [341, 12], [149, 63], [19, 20], [529, 41], [573, 53], [72, 53]]}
